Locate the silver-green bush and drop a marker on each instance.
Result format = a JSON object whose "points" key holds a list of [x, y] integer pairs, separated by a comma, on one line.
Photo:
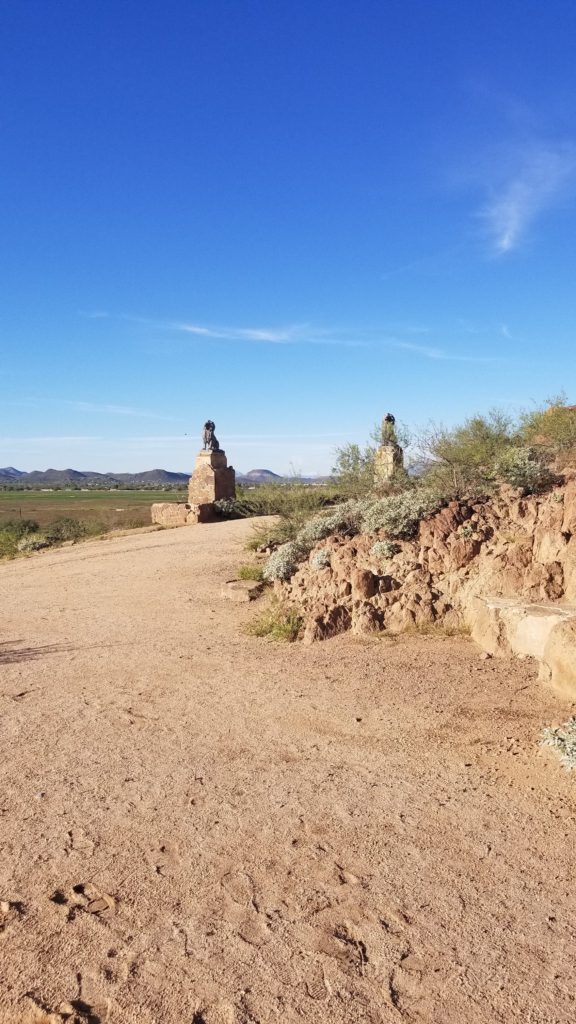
{"points": [[320, 559], [400, 514], [283, 562], [521, 467], [33, 542], [385, 549], [563, 739]]}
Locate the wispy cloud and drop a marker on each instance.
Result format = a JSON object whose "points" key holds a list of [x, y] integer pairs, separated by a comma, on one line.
{"points": [[275, 335], [117, 410], [392, 336], [291, 334], [430, 352], [544, 176], [51, 440]]}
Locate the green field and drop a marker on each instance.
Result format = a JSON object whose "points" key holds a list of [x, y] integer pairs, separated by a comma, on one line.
{"points": [[113, 509]]}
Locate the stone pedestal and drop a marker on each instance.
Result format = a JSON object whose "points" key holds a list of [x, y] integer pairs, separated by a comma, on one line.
{"points": [[212, 479], [388, 459]]}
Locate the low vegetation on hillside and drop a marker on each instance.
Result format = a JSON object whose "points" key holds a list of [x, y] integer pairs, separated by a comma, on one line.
{"points": [[24, 536], [470, 460]]}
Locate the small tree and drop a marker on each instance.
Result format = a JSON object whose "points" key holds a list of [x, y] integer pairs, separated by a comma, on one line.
{"points": [[463, 457], [353, 469], [552, 428]]}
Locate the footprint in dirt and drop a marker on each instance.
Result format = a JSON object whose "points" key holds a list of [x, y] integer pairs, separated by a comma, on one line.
{"points": [[79, 842], [166, 860], [239, 886], [219, 1012], [85, 897], [410, 989], [77, 1011]]}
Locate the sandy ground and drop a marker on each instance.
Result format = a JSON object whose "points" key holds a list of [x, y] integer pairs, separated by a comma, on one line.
{"points": [[200, 827]]}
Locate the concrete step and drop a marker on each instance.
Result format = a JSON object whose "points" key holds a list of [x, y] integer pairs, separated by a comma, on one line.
{"points": [[547, 632]]}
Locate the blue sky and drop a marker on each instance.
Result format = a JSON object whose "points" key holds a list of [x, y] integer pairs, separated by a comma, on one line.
{"points": [[288, 217]]}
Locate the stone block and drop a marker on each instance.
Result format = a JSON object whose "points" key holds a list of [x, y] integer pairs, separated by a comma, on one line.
{"points": [[202, 513], [242, 591], [170, 513], [388, 458], [510, 626], [559, 660], [212, 479]]}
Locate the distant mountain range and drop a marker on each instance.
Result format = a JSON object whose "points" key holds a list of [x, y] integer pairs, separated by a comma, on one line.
{"points": [[88, 478], [9, 476]]}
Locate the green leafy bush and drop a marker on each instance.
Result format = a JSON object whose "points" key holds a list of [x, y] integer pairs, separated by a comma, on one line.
{"points": [[462, 458], [353, 469], [65, 528], [20, 527], [8, 544], [552, 427]]}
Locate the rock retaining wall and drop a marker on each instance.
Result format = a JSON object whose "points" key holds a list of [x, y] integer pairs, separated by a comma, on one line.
{"points": [[509, 547]]}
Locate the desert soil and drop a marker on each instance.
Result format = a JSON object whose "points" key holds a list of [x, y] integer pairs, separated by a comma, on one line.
{"points": [[201, 827]]}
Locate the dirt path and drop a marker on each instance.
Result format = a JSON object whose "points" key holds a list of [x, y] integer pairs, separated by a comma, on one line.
{"points": [[199, 827]]}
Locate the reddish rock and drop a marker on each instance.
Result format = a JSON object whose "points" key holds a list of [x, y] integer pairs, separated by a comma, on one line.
{"points": [[364, 583]]}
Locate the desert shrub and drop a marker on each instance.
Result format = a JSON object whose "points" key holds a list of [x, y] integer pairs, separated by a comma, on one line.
{"points": [[384, 549], [271, 534], [276, 622], [20, 527], [400, 514], [33, 542], [65, 528], [353, 469], [233, 508], [320, 559], [293, 504], [290, 500], [522, 467], [8, 544], [250, 572], [134, 523], [345, 518], [563, 739], [462, 458], [282, 564], [552, 427]]}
